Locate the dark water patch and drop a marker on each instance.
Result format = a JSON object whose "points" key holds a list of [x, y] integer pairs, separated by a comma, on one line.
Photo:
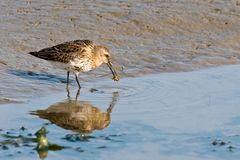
{"points": [[30, 75], [226, 143], [56, 147], [94, 90], [4, 147], [78, 137], [116, 135], [29, 145], [10, 155], [231, 148], [102, 147], [23, 128], [79, 149], [218, 142], [110, 138]]}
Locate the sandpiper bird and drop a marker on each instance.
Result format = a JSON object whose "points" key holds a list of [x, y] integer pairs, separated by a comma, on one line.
{"points": [[77, 56]]}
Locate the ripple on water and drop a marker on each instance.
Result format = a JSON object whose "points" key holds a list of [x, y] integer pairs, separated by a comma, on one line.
{"points": [[141, 89]]}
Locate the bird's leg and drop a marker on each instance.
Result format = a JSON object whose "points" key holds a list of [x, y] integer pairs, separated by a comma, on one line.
{"points": [[77, 94], [68, 77], [76, 75], [68, 93]]}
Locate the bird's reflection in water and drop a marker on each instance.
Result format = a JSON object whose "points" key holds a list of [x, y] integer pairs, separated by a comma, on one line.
{"points": [[78, 116]]}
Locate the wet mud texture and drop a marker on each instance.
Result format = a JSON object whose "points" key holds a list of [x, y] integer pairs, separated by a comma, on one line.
{"points": [[145, 36]]}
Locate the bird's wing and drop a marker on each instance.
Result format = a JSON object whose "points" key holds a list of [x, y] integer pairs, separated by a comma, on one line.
{"points": [[65, 52]]}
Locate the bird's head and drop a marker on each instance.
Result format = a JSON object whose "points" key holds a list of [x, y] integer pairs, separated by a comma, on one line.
{"points": [[105, 57]]}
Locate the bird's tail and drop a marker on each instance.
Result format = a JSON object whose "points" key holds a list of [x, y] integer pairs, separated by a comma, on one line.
{"points": [[34, 53]]}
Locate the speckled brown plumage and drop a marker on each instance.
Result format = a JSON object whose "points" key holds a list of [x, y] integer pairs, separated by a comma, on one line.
{"points": [[67, 51], [77, 56]]}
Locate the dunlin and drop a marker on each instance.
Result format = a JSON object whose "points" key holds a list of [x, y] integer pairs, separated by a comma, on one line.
{"points": [[77, 56]]}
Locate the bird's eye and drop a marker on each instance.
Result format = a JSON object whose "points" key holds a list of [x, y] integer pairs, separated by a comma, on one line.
{"points": [[107, 55]]}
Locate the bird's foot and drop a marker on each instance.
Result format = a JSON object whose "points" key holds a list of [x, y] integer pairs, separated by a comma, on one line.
{"points": [[116, 78]]}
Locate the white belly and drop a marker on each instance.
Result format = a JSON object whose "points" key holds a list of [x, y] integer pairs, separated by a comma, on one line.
{"points": [[74, 66], [83, 65]]}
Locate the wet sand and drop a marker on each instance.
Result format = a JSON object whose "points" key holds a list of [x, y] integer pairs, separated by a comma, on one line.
{"points": [[192, 115], [145, 36]]}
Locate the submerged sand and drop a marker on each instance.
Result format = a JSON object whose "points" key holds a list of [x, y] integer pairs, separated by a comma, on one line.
{"points": [[145, 36]]}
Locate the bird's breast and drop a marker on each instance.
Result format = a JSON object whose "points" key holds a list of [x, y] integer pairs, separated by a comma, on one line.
{"points": [[82, 65]]}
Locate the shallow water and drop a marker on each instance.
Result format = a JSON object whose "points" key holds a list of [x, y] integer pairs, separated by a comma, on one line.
{"points": [[192, 115]]}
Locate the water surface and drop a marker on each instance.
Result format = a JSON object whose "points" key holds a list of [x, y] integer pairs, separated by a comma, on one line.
{"points": [[192, 115]]}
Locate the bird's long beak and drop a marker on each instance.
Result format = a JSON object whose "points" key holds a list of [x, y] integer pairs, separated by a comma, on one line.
{"points": [[115, 75]]}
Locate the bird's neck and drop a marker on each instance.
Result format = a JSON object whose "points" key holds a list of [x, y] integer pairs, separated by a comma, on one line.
{"points": [[97, 60]]}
